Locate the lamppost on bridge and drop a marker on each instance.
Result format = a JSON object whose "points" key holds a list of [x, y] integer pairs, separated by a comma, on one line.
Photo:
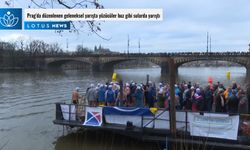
{"points": [[128, 45], [249, 48], [139, 45]]}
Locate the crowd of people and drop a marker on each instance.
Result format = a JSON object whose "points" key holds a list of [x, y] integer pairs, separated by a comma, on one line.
{"points": [[188, 96]]}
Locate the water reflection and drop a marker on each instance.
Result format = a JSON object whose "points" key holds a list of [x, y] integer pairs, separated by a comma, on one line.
{"points": [[193, 74], [200, 75], [93, 140]]}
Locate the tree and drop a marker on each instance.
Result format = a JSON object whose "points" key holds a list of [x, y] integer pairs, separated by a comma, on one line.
{"points": [[55, 49], [8, 53], [82, 50], [1, 54], [8, 49], [20, 43], [38, 47]]}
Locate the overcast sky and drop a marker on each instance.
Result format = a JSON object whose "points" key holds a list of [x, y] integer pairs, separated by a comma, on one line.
{"points": [[183, 28]]}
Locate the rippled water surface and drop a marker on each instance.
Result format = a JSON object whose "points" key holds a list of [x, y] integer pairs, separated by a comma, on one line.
{"points": [[27, 103]]}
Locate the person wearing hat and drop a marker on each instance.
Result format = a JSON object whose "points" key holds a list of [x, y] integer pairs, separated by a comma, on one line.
{"points": [[187, 98], [197, 104], [243, 102], [220, 101], [208, 98], [127, 92], [139, 96], [233, 102], [160, 96], [91, 95], [248, 96], [101, 94], [110, 96], [151, 96], [76, 96]]}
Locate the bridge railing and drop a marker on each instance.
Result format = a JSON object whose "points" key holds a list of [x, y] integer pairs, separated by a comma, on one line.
{"points": [[167, 54]]}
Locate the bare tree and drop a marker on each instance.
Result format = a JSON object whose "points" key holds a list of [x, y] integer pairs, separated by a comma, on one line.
{"points": [[19, 43], [38, 47], [7, 46], [82, 50], [55, 49]]}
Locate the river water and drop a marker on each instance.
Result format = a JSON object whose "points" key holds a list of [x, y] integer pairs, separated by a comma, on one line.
{"points": [[27, 106]]}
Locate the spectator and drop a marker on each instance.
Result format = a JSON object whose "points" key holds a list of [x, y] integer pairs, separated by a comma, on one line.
{"points": [[233, 103], [91, 96], [220, 101], [243, 102], [76, 96]]}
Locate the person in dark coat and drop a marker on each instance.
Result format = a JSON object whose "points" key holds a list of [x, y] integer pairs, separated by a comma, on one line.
{"points": [[220, 101], [110, 96], [101, 94], [139, 97], [160, 96], [243, 102], [187, 96], [151, 95], [233, 103], [208, 99], [91, 95], [198, 101], [248, 97]]}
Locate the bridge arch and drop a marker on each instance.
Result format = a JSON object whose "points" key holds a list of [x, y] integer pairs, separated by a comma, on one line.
{"points": [[57, 64], [108, 64], [187, 60]]}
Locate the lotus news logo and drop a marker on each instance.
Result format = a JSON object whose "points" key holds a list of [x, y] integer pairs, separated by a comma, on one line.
{"points": [[10, 18]]}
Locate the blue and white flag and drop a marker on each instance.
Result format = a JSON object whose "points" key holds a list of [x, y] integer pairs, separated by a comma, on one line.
{"points": [[93, 116]]}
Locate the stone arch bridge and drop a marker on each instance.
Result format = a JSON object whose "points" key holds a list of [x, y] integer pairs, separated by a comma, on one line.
{"points": [[101, 62]]}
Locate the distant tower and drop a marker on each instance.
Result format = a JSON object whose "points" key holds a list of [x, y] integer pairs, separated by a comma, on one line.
{"points": [[249, 48], [139, 45], [67, 44], [207, 41], [210, 46], [128, 45]]}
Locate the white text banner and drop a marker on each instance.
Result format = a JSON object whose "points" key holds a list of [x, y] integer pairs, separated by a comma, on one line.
{"points": [[215, 125], [93, 14]]}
